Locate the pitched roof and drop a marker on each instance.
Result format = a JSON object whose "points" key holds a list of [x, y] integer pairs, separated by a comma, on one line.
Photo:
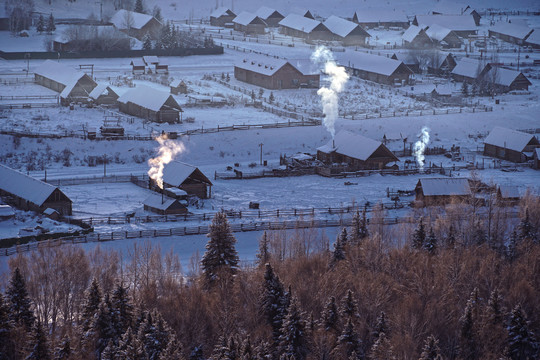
{"points": [[265, 12], [245, 18], [381, 15], [508, 139], [156, 201], [342, 27], [100, 90], [469, 68], [176, 172], [137, 62], [519, 30], [445, 186], [452, 22], [502, 76], [268, 65], [176, 83], [534, 38], [299, 22], [6, 211], [437, 32], [222, 11], [24, 186], [150, 59], [509, 191], [351, 145], [411, 33], [61, 74], [124, 19], [147, 97], [368, 62], [450, 8]]}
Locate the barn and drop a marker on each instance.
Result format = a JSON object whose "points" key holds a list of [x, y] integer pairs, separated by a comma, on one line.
{"points": [[151, 104], [373, 18], [349, 33], [273, 73], [508, 195], [187, 177], [515, 33], [440, 191], [303, 27], [103, 95], [416, 38], [136, 24], [270, 16], [222, 16], [440, 63], [249, 23], [178, 87], [505, 80], [70, 83], [138, 66], [28, 193], [355, 150], [462, 25], [511, 145], [375, 68], [536, 158], [164, 205], [160, 66], [469, 70], [534, 39], [445, 37], [451, 8]]}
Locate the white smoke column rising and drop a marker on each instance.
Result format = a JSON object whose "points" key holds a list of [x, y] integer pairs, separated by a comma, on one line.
{"points": [[330, 95], [168, 149], [420, 146]]}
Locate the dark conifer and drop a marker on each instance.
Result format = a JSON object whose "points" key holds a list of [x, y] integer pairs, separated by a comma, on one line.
{"points": [[139, 6], [339, 252], [348, 343], [129, 347], [381, 349], [521, 341], [91, 306], [122, 311], [431, 242], [526, 228], [511, 249], [293, 340], [19, 303], [451, 237], [468, 337], [51, 27], [380, 327], [495, 309], [359, 227], [330, 316], [263, 256], [40, 27], [419, 235], [273, 301], [7, 340], [37, 344], [63, 351], [431, 350], [349, 307], [196, 353]]}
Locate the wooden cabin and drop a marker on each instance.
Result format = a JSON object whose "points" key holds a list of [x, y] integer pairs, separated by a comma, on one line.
{"points": [[164, 205], [441, 191], [348, 32], [511, 145], [469, 70], [441, 63], [28, 193], [536, 158], [136, 25], [508, 195], [103, 95], [151, 104], [222, 16], [444, 37], [462, 25], [533, 40], [416, 38], [387, 18], [270, 16], [303, 27], [249, 24], [187, 177], [514, 33], [138, 66], [178, 87], [375, 68], [504, 80]]}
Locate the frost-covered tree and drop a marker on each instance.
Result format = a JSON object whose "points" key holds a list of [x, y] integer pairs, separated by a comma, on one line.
{"points": [[381, 349], [173, 351], [263, 255], [130, 347], [20, 306], [419, 235], [495, 309], [110, 352], [121, 310], [431, 350], [479, 234], [63, 350], [51, 27], [247, 352], [339, 251], [154, 335], [274, 301], [220, 258], [37, 344], [147, 42], [196, 353], [526, 228], [101, 330], [222, 351], [521, 340], [349, 307], [19, 13], [330, 316], [91, 305], [156, 12], [7, 344], [293, 340], [40, 26], [468, 333], [359, 227], [380, 327], [139, 6], [431, 242], [348, 343], [465, 89], [271, 98]]}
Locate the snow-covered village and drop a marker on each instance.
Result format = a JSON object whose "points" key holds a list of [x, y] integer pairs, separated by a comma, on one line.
{"points": [[239, 180]]}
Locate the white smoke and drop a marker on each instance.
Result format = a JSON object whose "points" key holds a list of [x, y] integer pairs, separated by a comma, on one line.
{"points": [[168, 149], [420, 146], [329, 95]]}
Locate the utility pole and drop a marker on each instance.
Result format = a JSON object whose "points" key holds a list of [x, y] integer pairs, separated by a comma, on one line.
{"points": [[519, 55], [261, 145], [104, 165]]}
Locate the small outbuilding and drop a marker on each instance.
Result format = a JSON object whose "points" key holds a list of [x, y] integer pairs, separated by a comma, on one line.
{"points": [[28, 193], [136, 24], [222, 16], [440, 63], [536, 158], [508, 195], [416, 38], [304, 27], [189, 178], [270, 16], [511, 145], [504, 80], [164, 205], [444, 37], [375, 68], [138, 66], [6, 212], [249, 23], [103, 95], [148, 103], [462, 25], [349, 33], [441, 191], [178, 87], [470, 70]]}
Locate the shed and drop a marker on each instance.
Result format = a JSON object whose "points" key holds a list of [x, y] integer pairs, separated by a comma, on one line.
{"points": [[270, 16], [511, 145], [536, 158], [515, 33], [51, 214], [28, 193], [103, 95], [534, 39], [505, 80], [189, 178], [469, 70], [249, 23], [508, 195], [70, 83], [462, 25], [274, 73], [164, 205], [440, 191], [303, 27], [136, 24], [355, 150], [178, 87], [221, 16], [6, 212], [137, 65], [372, 18], [375, 68], [416, 38], [445, 37], [148, 103], [349, 33]]}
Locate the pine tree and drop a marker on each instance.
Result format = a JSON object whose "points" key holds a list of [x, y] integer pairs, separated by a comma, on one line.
{"points": [[139, 7], [359, 228], [451, 237], [330, 316], [348, 343], [147, 42], [271, 98], [154, 334], [431, 349], [51, 27], [526, 228], [431, 242], [63, 351], [196, 353], [110, 352], [173, 351], [380, 327], [122, 311], [247, 351], [220, 258], [263, 256], [221, 349], [102, 328], [20, 311], [39, 348], [7, 344], [91, 306], [273, 301], [129, 347], [40, 27], [156, 12], [495, 309], [339, 252], [479, 235], [419, 236], [349, 307], [468, 346], [293, 340], [521, 340], [511, 249], [381, 349], [465, 89]]}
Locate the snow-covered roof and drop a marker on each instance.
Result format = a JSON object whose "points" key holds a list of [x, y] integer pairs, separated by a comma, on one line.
{"points": [[137, 62], [519, 30], [509, 191], [69, 87], [245, 18], [451, 8], [156, 201], [452, 22], [351, 145], [268, 65], [368, 62], [176, 83], [6, 211], [469, 68], [445, 186], [222, 11], [534, 38], [24, 186], [125, 19], [150, 59], [408, 57], [502, 76], [146, 97], [49, 211], [437, 32], [537, 152], [411, 33], [342, 27], [381, 15], [176, 172], [59, 73], [100, 90], [508, 139], [176, 191], [265, 12], [299, 22]]}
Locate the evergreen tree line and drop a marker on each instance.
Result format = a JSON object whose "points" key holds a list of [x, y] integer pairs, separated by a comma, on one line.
{"points": [[170, 37], [364, 299]]}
